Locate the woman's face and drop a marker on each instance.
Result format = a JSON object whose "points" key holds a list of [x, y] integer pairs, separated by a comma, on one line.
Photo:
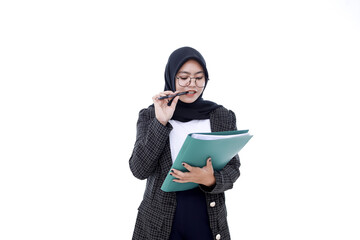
{"points": [[194, 70]]}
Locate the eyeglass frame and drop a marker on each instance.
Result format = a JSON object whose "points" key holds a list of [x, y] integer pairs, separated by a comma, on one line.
{"points": [[189, 78]]}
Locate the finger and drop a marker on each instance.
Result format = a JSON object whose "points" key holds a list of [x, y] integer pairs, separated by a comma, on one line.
{"points": [[174, 102], [168, 92], [180, 181], [177, 173], [187, 166], [209, 163], [162, 94], [156, 97]]}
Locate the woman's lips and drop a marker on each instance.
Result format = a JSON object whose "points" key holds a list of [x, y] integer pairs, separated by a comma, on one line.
{"points": [[191, 92]]}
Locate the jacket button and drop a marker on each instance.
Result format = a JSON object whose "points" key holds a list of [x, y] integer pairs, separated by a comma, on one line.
{"points": [[218, 237], [212, 204]]}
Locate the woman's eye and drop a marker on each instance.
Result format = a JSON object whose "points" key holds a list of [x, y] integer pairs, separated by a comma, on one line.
{"points": [[183, 78], [199, 78]]}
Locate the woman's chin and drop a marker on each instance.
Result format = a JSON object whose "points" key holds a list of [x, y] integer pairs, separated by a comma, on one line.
{"points": [[188, 98]]}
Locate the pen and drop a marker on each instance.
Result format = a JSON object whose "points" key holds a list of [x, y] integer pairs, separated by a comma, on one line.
{"points": [[173, 95]]}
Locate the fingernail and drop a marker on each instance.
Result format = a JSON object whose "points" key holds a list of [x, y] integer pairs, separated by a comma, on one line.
{"points": [[183, 164], [172, 170]]}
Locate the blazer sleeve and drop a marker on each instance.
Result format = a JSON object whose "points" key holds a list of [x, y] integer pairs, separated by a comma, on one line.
{"points": [[225, 178], [151, 138]]}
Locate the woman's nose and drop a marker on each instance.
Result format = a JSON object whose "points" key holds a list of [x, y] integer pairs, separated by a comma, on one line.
{"points": [[192, 82]]}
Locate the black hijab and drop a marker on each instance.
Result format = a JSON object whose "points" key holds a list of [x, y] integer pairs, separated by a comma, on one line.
{"points": [[184, 112]]}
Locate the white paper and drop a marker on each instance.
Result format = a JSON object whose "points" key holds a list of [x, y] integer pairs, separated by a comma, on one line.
{"points": [[214, 137]]}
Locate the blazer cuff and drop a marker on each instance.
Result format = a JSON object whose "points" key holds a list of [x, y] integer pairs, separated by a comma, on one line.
{"points": [[206, 188], [213, 187], [218, 187]]}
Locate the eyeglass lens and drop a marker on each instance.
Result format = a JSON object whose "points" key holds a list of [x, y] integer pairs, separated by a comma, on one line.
{"points": [[186, 81]]}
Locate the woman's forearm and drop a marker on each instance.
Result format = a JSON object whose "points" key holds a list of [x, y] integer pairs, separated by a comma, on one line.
{"points": [[151, 139]]}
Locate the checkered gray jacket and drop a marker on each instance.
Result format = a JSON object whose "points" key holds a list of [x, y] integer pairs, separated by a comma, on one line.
{"points": [[151, 160]]}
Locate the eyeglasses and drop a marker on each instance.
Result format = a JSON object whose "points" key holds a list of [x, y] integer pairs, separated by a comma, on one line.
{"points": [[186, 81]]}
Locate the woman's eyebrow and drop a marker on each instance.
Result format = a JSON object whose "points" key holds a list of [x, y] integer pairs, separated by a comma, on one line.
{"points": [[190, 73]]}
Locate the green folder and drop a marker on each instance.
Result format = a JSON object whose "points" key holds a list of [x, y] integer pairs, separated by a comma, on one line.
{"points": [[196, 151]]}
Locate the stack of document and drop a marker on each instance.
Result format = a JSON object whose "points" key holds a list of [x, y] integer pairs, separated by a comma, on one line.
{"points": [[198, 147]]}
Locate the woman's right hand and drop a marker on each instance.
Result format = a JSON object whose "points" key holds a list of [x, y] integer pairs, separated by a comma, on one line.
{"points": [[163, 112]]}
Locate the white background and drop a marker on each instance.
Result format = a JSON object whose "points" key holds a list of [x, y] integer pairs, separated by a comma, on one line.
{"points": [[74, 75]]}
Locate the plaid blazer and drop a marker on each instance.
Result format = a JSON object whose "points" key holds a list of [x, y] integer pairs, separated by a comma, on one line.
{"points": [[151, 160]]}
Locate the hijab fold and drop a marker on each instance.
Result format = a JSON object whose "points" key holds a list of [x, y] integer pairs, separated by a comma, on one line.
{"points": [[184, 112]]}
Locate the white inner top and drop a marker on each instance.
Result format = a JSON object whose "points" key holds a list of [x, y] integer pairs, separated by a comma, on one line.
{"points": [[182, 129]]}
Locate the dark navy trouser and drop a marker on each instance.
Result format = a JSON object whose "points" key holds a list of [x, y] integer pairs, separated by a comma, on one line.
{"points": [[191, 220]]}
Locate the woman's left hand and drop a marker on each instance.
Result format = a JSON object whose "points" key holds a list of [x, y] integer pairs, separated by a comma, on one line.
{"points": [[204, 175]]}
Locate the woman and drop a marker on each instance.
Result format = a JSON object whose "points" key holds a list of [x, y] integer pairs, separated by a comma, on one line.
{"points": [[199, 213]]}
